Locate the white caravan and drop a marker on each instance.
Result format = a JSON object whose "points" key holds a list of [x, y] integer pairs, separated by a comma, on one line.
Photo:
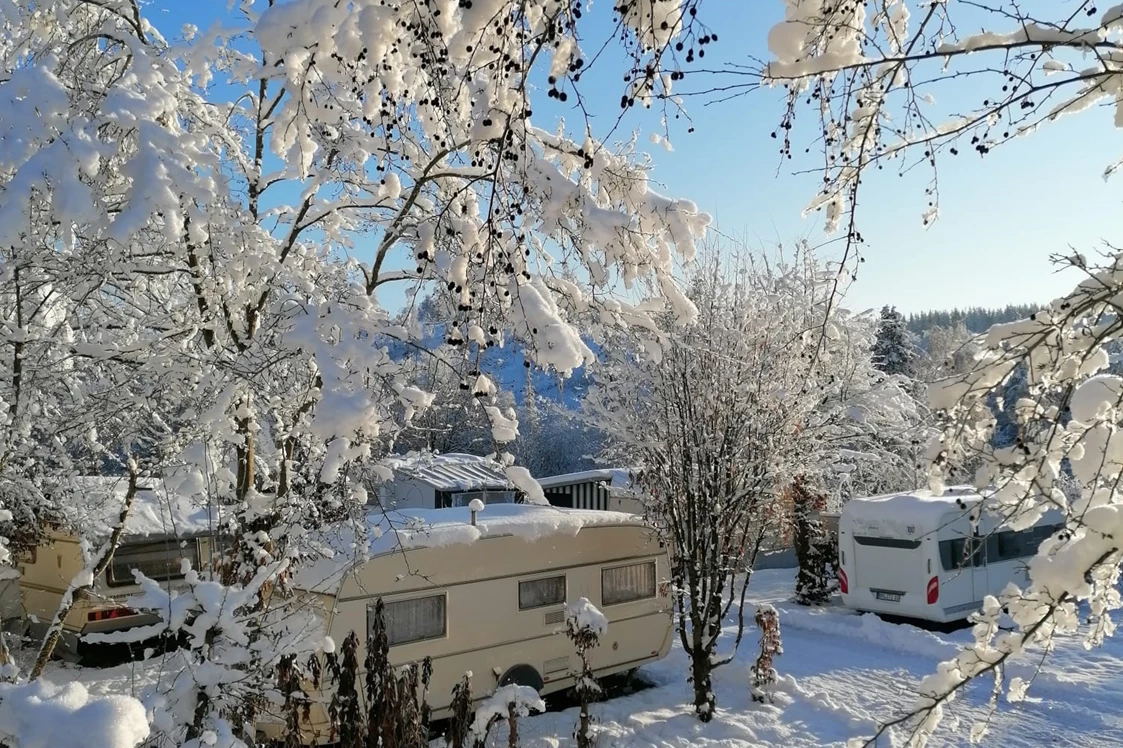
{"points": [[487, 594], [916, 555]]}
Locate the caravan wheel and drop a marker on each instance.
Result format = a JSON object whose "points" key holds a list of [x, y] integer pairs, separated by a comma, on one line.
{"points": [[522, 675]]}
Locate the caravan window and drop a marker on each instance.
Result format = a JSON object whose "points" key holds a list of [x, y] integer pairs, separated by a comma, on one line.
{"points": [[538, 593], [961, 553], [623, 584], [160, 561], [887, 542], [1041, 533], [1009, 545], [411, 620]]}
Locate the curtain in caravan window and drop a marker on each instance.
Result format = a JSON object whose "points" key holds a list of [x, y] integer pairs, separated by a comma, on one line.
{"points": [[626, 583], [412, 620], [536, 593]]}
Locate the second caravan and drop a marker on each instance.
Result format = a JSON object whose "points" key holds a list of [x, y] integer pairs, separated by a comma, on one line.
{"points": [[918, 555], [162, 531], [487, 594]]}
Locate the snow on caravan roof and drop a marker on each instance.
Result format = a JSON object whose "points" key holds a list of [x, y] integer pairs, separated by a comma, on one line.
{"points": [[922, 510], [91, 506], [345, 545], [451, 472]]}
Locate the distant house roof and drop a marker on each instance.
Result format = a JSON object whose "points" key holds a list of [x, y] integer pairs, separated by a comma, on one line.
{"points": [[452, 472], [621, 479]]}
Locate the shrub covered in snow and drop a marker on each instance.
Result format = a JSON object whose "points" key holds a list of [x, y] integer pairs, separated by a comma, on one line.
{"points": [[764, 670], [585, 625], [814, 552], [509, 702]]}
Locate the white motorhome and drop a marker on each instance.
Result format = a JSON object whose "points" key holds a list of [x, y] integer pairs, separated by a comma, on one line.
{"points": [[917, 554], [487, 594]]}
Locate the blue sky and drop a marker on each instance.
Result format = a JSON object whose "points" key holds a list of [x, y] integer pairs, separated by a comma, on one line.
{"points": [[1001, 217]]}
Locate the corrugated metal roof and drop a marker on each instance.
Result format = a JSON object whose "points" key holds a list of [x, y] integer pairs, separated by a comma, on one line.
{"points": [[453, 472], [616, 478]]}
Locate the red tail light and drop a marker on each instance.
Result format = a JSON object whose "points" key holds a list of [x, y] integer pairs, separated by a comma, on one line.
{"points": [[105, 615], [843, 582], [933, 590]]}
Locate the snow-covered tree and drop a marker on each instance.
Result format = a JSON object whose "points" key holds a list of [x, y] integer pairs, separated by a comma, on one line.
{"points": [[771, 382], [893, 351], [454, 420], [874, 71], [949, 350], [814, 580], [198, 236]]}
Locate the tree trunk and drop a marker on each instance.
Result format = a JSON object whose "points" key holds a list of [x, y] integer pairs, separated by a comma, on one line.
{"points": [[512, 726], [702, 677], [701, 671], [54, 633], [245, 456]]}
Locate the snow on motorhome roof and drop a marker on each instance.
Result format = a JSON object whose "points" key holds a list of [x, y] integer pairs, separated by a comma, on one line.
{"points": [[920, 508], [451, 472], [616, 477], [347, 544], [92, 506]]}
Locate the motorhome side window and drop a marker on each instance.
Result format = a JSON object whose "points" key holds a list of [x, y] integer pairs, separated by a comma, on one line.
{"points": [[161, 561], [411, 620], [538, 593], [960, 553], [1007, 545], [623, 584], [1000, 546]]}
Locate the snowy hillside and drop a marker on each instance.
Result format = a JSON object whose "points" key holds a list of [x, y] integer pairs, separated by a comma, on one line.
{"points": [[506, 366]]}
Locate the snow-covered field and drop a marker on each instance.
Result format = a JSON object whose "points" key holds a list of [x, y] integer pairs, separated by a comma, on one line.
{"points": [[840, 673]]}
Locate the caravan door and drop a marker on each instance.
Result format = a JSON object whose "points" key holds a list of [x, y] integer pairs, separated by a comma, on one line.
{"points": [[963, 574]]}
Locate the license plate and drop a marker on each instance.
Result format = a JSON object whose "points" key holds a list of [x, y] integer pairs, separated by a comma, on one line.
{"points": [[892, 597]]}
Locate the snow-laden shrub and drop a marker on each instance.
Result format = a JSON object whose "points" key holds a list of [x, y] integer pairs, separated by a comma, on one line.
{"points": [[585, 625], [763, 668], [508, 702], [459, 731]]}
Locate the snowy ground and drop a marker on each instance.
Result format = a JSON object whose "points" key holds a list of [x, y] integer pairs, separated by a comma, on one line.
{"points": [[841, 672]]}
